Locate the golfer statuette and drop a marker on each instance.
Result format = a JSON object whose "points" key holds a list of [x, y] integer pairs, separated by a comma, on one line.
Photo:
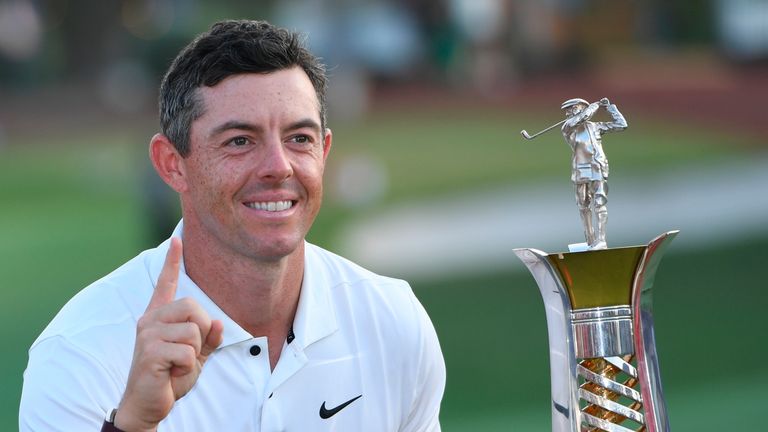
{"points": [[602, 351], [589, 164]]}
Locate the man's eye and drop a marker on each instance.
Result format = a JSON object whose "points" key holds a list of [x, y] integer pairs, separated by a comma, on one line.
{"points": [[239, 141], [301, 139]]}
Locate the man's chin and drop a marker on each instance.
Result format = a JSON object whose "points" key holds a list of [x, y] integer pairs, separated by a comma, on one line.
{"points": [[276, 249]]}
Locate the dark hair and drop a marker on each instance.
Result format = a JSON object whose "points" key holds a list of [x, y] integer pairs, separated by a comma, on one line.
{"points": [[230, 48]]}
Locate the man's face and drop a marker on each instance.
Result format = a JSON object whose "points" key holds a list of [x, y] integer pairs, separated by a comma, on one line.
{"points": [[573, 110], [255, 169]]}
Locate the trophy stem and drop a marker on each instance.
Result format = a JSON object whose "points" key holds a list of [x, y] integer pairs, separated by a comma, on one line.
{"points": [[603, 360]]}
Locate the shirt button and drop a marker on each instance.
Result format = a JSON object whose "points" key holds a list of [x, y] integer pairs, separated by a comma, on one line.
{"points": [[255, 350]]}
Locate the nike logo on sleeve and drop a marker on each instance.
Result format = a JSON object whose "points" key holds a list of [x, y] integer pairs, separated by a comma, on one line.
{"points": [[328, 413]]}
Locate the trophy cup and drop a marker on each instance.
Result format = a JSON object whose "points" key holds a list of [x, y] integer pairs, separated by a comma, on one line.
{"points": [[602, 350]]}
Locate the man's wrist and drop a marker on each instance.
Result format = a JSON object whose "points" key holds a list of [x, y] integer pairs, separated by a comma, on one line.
{"points": [[109, 423], [123, 421]]}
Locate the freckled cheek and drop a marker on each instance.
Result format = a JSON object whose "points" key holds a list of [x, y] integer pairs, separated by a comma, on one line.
{"points": [[314, 186], [311, 173], [215, 183]]}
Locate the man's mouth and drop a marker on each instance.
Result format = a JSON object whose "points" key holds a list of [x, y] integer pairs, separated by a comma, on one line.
{"points": [[271, 206]]}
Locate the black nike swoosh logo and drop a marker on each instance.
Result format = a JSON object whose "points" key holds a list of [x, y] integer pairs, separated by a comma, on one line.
{"points": [[328, 413]]}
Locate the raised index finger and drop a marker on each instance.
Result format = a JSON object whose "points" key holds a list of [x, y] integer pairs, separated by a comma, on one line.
{"points": [[165, 290]]}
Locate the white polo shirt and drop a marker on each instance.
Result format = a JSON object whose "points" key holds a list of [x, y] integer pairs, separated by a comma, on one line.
{"points": [[365, 357]]}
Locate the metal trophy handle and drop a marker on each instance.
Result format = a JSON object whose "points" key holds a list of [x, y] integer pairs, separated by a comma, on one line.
{"points": [[603, 361]]}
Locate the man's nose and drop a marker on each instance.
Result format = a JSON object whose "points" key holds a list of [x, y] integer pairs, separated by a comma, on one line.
{"points": [[275, 164]]}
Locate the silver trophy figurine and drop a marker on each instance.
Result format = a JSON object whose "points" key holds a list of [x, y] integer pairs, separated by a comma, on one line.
{"points": [[602, 351]]}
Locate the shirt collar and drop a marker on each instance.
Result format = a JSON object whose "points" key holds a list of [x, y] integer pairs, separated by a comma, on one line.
{"points": [[315, 316]]}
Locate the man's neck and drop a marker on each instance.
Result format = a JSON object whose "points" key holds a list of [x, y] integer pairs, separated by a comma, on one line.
{"points": [[260, 296]]}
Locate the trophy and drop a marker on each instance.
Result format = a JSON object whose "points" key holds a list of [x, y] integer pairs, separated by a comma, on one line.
{"points": [[602, 350]]}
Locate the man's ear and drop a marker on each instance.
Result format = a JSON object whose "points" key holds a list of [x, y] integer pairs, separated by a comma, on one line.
{"points": [[327, 138], [168, 163]]}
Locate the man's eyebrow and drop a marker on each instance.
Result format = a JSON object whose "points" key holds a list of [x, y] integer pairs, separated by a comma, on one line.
{"points": [[234, 124], [304, 123], [243, 125]]}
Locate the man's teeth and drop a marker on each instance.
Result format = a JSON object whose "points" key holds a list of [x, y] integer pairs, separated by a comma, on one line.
{"points": [[271, 205]]}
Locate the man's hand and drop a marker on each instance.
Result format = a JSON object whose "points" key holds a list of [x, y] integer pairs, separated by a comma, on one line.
{"points": [[605, 102], [173, 341]]}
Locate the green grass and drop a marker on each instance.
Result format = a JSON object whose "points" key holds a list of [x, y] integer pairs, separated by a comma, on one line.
{"points": [[60, 207], [70, 212]]}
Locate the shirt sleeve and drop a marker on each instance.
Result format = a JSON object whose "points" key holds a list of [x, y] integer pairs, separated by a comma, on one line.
{"points": [[585, 115], [618, 122], [430, 378], [65, 389]]}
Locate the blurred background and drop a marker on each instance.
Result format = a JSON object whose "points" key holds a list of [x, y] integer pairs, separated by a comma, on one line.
{"points": [[429, 178]]}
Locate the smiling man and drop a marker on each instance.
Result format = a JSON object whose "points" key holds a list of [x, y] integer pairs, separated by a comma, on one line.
{"points": [[247, 327]]}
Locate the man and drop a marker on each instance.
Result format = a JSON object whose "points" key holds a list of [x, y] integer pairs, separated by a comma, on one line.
{"points": [[589, 164], [248, 328]]}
